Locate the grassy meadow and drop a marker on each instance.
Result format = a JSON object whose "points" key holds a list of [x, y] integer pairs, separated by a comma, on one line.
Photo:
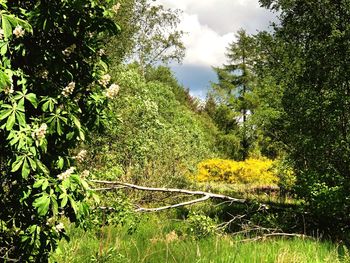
{"points": [[159, 239]]}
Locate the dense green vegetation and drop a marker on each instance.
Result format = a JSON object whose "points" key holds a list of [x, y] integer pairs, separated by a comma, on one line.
{"points": [[169, 241], [100, 103]]}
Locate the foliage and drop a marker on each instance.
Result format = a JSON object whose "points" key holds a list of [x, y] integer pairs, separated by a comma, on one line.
{"points": [[50, 96], [152, 137], [236, 83], [312, 66], [286, 176], [200, 225], [250, 171], [151, 243], [156, 38]]}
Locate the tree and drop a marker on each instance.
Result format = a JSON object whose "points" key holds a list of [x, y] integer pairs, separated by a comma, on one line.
{"points": [[157, 38], [54, 87], [314, 69], [120, 47], [236, 81]]}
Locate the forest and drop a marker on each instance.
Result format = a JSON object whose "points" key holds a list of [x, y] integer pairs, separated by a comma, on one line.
{"points": [[105, 156]]}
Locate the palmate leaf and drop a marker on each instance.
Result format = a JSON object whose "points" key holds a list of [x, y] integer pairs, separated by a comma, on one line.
{"points": [[42, 204], [6, 26]]}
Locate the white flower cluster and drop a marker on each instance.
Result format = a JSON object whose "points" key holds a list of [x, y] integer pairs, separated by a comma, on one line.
{"points": [[104, 81], [68, 90], [2, 34], [45, 74], [59, 227], [40, 132], [50, 221], [112, 91], [81, 156], [9, 90], [116, 8], [18, 32], [101, 52], [66, 173], [85, 174], [69, 50]]}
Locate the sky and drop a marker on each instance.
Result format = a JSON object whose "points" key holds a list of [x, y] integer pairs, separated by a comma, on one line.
{"points": [[210, 26]]}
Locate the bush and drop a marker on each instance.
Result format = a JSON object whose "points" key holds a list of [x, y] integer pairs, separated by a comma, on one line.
{"points": [[199, 225], [251, 171]]}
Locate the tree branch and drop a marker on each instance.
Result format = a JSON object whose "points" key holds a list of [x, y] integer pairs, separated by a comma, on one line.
{"points": [[205, 195], [157, 209], [167, 190]]}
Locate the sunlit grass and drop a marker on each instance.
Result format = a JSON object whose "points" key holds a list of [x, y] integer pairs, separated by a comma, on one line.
{"points": [[160, 240]]}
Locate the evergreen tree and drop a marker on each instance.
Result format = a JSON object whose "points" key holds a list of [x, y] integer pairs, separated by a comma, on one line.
{"points": [[236, 83]]}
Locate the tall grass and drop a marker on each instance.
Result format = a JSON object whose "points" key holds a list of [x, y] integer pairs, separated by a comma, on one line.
{"points": [[158, 240]]}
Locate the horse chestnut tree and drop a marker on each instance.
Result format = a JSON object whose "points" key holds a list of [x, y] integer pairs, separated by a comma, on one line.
{"points": [[54, 87]]}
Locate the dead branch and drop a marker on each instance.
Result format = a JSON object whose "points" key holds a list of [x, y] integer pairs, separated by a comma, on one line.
{"points": [[263, 237], [206, 195], [157, 209], [173, 190], [225, 224]]}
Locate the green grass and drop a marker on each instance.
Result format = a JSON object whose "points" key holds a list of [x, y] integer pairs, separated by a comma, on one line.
{"points": [[160, 240]]}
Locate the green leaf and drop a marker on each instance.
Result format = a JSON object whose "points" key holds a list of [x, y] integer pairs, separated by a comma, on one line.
{"points": [[64, 198], [6, 26], [33, 99], [54, 205], [5, 113], [25, 169], [3, 48], [45, 184], [21, 117], [17, 164], [11, 121], [42, 204], [38, 183], [42, 167], [60, 163], [73, 204]]}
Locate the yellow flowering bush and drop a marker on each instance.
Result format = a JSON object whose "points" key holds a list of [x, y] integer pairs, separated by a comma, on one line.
{"points": [[250, 171]]}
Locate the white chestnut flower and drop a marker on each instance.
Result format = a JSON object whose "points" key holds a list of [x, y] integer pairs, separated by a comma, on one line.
{"points": [[116, 8], [104, 81], [59, 227], [66, 173], [18, 31], [45, 74], [9, 90], [40, 132], [101, 52], [112, 91], [81, 156], [68, 90]]}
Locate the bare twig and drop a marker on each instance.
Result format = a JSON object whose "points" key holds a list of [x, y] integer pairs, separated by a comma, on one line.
{"points": [[225, 224]]}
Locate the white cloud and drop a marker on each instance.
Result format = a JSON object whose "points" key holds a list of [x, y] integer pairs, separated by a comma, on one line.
{"points": [[204, 45], [211, 26]]}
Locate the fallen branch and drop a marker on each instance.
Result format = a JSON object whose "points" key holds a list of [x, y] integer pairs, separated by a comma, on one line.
{"points": [[275, 235], [157, 209], [206, 195]]}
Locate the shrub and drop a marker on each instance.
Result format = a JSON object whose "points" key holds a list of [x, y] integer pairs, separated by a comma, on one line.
{"points": [[250, 171], [199, 225]]}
